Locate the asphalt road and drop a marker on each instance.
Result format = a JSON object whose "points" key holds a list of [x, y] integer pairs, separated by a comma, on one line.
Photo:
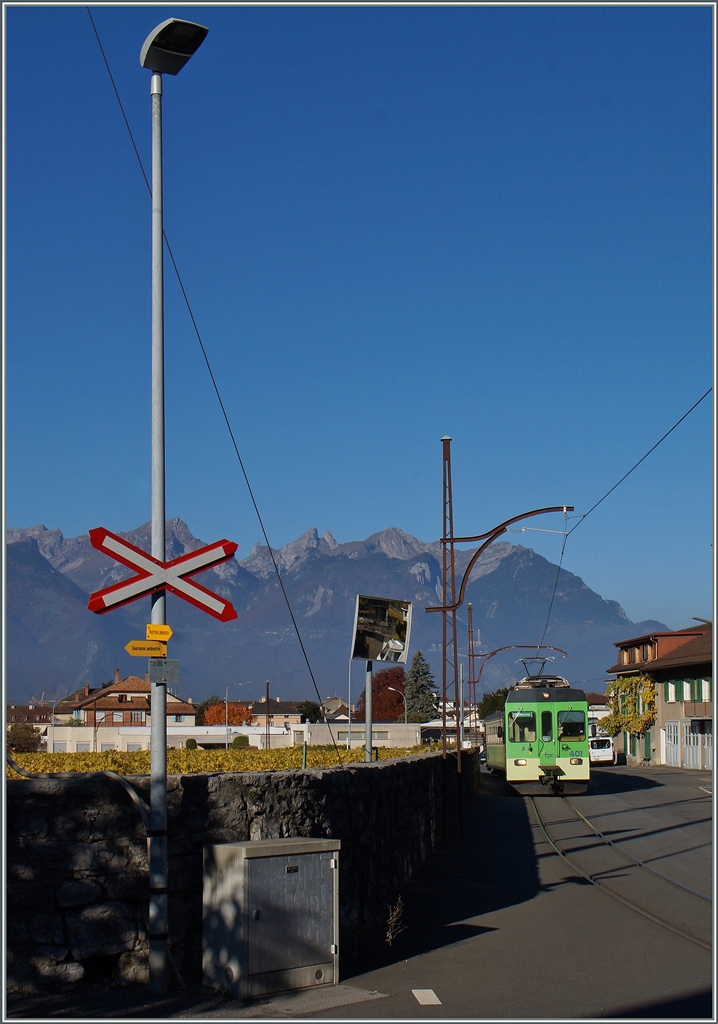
{"points": [[497, 926]]}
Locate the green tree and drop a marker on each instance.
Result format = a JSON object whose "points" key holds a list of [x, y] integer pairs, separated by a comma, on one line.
{"points": [[309, 711], [491, 702], [422, 698], [23, 738], [200, 709]]}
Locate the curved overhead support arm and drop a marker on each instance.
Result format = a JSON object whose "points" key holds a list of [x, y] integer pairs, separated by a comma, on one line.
{"points": [[491, 537]]}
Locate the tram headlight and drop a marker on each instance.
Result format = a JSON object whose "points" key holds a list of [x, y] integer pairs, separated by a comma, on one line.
{"points": [[520, 761], [576, 760]]}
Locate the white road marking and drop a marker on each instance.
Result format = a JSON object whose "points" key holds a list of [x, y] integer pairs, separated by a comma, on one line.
{"points": [[426, 996], [708, 791]]}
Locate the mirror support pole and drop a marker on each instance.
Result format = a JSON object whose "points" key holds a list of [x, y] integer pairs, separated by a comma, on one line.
{"points": [[368, 712]]}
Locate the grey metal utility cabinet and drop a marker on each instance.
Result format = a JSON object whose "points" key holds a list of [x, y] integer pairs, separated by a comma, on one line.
{"points": [[271, 916]]}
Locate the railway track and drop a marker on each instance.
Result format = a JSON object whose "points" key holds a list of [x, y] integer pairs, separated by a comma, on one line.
{"points": [[681, 909]]}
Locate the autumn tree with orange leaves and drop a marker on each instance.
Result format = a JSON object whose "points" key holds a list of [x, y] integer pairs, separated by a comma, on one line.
{"points": [[386, 704], [239, 714]]}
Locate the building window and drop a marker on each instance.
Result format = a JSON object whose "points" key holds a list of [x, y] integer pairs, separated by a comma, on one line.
{"points": [[177, 718], [77, 713], [99, 716], [133, 746], [59, 747], [137, 716], [117, 716], [82, 748], [107, 746], [706, 690]]}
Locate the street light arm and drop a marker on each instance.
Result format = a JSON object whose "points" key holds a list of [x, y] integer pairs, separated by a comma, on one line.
{"points": [[491, 535]]}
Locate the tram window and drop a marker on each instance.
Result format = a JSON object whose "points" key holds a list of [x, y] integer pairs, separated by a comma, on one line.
{"points": [[546, 726], [522, 727], [571, 725]]}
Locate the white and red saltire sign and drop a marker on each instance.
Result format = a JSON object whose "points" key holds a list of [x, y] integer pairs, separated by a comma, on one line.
{"points": [[153, 575]]}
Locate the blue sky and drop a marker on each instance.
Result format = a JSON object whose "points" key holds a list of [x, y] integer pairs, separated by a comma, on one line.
{"points": [[393, 223]]}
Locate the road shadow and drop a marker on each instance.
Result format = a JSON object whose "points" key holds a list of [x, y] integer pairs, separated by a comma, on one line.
{"points": [[696, 1007], [609, 780], [490, 866]]}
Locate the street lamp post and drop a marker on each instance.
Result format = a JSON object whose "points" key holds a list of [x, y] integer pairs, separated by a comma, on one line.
{"points": [[166, 50], [403, 697], [226, 713]]}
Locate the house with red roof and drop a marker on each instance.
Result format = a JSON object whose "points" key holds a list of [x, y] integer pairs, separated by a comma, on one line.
{"points": [[681, 665]]}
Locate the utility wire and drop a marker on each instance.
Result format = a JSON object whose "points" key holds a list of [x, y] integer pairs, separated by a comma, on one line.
{"points": [[553, 595], [612, 489], [215, 386], [695, 404]]}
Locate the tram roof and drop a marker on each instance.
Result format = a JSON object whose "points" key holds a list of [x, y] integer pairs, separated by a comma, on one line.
{"points": [[549, 694]]}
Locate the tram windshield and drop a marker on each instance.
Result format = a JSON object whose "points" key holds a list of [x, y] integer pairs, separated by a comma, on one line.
{"points": [[571, 725], [522, 726]]}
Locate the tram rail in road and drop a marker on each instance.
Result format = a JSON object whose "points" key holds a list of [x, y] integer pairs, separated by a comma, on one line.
{"points": [[684, 910]]}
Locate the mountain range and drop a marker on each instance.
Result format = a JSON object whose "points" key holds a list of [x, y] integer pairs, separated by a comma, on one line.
{"points": [[54, 644]]}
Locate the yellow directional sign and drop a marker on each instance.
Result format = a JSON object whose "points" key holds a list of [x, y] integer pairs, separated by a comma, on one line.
{"points": [[147, 649], [153, 632]]}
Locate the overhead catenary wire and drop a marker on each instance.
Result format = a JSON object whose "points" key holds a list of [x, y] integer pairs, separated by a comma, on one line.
{"points": [[215, 387], [642, 459], [610, 491]]}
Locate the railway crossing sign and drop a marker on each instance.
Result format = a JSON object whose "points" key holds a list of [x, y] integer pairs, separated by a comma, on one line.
{"points": [[153, 575], [156, 632], [146, 649]]}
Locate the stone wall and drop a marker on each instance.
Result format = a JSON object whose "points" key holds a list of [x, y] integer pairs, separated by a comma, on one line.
{"points": [[77, 877]]}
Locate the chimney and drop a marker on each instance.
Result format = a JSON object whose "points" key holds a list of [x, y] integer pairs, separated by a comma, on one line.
{"points": [[277, 700], [117, 676], [87, 689]]}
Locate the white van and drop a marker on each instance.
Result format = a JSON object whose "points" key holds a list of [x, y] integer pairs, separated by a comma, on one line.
{"points": [[601, 750]]}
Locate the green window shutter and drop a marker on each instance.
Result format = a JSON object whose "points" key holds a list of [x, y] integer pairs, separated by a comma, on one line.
{"points": [[679, 689], [647, 744], [665, 692]]}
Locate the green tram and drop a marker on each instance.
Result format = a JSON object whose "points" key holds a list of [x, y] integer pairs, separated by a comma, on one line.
{"points": [[539, 741]]}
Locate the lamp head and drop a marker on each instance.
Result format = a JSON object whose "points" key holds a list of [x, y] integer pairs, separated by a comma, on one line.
{"points": [[168, 47]]}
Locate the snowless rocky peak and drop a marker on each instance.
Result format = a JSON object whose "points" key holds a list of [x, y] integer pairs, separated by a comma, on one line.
{"points": [[394, 543], [260, 563]]}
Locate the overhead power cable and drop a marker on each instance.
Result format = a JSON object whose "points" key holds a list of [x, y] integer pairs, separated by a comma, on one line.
{"points": [[214, 385], [642, 459], [610, 491]]}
